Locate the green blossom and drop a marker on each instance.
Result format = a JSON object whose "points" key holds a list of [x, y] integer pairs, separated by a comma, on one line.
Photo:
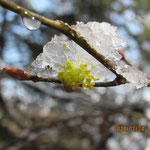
{"points": [[73, 75]]}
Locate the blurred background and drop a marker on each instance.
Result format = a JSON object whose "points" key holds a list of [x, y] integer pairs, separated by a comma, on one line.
{"points": [[42, 116]]}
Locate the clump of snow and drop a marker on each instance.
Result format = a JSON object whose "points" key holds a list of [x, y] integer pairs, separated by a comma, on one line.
{"points": [[101, 36], [133, 75]]}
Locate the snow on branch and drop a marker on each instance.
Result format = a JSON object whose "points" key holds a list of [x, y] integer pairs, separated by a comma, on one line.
{"points": [[89, 52]]}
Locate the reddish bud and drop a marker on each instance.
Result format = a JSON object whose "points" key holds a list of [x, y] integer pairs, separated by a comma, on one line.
{"points": [[121, 52], [16, 73], [70, 88]]}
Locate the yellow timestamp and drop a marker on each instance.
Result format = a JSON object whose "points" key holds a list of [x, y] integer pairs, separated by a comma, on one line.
{"points": [[122, 128]]}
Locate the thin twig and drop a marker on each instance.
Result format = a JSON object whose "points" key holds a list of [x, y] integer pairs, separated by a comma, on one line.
{"points": [[115, 82], [22, 75]]}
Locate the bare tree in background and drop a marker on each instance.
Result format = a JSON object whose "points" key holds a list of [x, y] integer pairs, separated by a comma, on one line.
{"points": [[43, 116]]}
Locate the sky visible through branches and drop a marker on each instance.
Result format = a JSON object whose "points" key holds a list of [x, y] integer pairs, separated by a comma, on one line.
{"points": [[46, 107]]}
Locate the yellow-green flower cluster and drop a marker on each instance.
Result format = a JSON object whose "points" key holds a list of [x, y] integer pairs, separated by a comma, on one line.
{"points": [[73, 75]]}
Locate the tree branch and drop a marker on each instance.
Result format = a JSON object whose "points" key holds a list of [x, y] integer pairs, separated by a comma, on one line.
{"points": [[22, 75], [72, 34], [64, 28]]}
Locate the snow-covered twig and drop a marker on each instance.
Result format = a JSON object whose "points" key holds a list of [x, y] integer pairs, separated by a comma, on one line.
{"points": [[122, 76]]}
